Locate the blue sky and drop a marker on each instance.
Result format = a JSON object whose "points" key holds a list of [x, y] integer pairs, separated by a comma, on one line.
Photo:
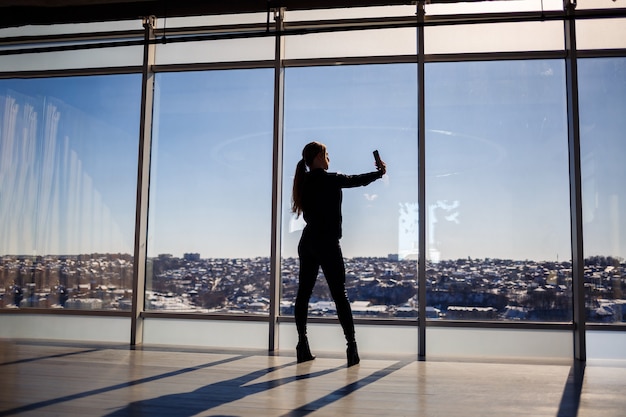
{"points": [[497, 145], [497, 174], [212, 164]]}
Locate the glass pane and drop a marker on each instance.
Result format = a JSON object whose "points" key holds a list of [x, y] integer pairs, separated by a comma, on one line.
{"points": [[93, 27], [494, 37], [354, 110], [213, 20], [602, 98], [382, 42], [86, 58], [601, 33], [349, 13], [490, 6], [497, 191], [599, 4], [68, 168], [216, 51], [210, 192]]}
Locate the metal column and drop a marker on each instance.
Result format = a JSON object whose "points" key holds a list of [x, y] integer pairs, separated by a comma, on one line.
{"points": [[421, 196], [578, 276], [277, 171], [143, 183]]}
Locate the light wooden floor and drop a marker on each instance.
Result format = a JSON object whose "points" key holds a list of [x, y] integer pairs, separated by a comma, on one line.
{"points": [[39, 379]]}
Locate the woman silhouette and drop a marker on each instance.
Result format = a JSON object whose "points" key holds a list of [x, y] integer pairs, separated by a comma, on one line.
{"points": [[317, 195]]}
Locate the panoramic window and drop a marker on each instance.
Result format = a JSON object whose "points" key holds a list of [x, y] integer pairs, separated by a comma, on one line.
{"points": [[68, 168], [210, 192], [498, 231], [602, 97], [355, 110]]}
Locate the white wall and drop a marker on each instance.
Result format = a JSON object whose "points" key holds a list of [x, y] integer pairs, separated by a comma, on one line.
{"points": [[371, 339], [65, 327], [441, 342], [498, 343], [206, 333], [606, 345]]}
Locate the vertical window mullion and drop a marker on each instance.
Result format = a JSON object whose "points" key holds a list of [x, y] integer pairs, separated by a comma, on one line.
{"points": [[578, 289], [143, 181], [421, 139], [277, 170]]}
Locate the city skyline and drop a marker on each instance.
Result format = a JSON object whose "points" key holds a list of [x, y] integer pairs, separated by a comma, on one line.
{"points": [[478, 289]]}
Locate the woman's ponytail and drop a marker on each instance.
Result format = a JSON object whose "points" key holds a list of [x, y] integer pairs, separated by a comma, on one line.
{"points": [[296, 192], [310, 151]]}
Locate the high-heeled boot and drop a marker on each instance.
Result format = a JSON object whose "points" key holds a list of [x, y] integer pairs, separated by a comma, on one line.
{"points": [[352, 354], [303, 352]]}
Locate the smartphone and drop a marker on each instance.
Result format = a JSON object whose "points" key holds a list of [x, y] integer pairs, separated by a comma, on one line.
{"points": [[377, 158]]}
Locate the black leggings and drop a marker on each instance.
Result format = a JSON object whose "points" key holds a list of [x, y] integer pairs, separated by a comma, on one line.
{"points": [[327, 254]]}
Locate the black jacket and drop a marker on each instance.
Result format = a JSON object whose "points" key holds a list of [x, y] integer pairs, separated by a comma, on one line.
{"points": [[321, 200]]}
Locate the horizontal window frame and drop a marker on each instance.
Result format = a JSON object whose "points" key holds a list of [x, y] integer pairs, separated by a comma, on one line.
{"points": [[203, 316], [72, 72], [319, 320], [65, 311]]}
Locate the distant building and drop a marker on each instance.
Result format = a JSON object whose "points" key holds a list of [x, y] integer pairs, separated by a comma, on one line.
{"points": [[471, 313], [84, 304], [192, 257]]}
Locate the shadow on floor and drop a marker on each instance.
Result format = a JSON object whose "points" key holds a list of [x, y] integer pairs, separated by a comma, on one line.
{"points": [[346, 390], [40, 358], [212, 395], [72, 397], [224, 392], [570, 401]]}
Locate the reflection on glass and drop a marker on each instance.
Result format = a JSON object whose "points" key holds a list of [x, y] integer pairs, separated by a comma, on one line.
{"points": [[498, 237], [68, 166], [355, 110], [210, 192], [602, 97]]}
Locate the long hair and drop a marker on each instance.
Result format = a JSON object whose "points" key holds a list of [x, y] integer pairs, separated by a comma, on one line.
{"points": [[310, 151]]}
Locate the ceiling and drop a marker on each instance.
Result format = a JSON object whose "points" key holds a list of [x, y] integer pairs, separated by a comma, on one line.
{"points": [[42, 12]]}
